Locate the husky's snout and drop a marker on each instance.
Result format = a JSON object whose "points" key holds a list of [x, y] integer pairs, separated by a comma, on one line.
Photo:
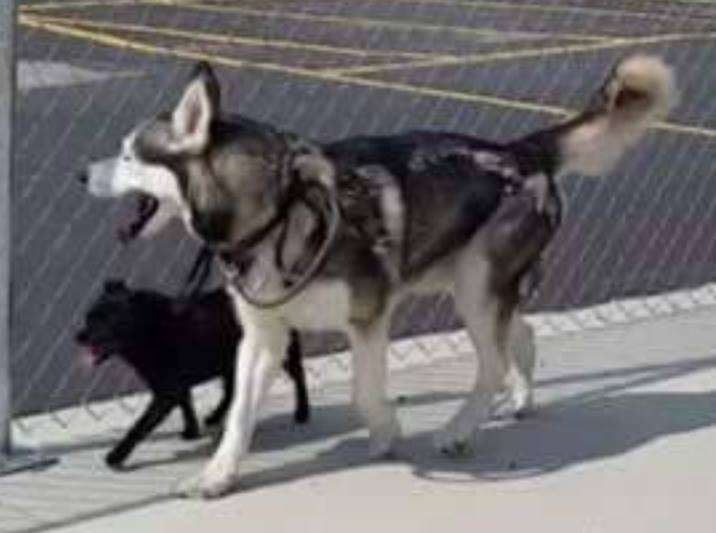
{"points": [[100, 179]]}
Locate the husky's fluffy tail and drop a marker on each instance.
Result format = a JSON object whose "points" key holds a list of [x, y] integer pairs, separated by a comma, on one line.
{"points": [[639, 92]]}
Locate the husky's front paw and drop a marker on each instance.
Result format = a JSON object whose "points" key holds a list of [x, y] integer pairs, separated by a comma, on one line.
{"points": [[218, 479], [383, 439]]}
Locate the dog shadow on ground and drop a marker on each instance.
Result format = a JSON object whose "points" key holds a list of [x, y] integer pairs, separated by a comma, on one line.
{"points": [[558, 437], [275, 433], [567, 434], [597, 424], [106, 441], [590, 426], [601, 422]]}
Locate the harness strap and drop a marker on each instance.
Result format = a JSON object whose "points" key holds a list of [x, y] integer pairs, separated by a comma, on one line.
{"points": [[233, 260]]}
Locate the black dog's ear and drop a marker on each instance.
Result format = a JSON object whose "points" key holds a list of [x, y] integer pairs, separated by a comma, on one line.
{"points": [[115, 286]]}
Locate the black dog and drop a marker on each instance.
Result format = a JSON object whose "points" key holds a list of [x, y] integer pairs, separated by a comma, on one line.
{"points": [[173, 344]]}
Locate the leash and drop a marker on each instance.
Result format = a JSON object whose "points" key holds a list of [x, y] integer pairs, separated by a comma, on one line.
{"points": [[200, 270], [333, 216], [199, 273]]}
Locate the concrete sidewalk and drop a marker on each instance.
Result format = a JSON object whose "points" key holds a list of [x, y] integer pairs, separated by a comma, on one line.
{"points": [[624, 440]]}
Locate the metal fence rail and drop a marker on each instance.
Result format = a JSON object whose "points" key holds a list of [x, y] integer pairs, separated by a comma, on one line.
{"points": [[88, 70], [7, 92]]}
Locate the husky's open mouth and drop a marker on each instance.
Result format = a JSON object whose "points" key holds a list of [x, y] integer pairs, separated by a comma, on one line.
{"points": [[93, 356], [144, 207]]}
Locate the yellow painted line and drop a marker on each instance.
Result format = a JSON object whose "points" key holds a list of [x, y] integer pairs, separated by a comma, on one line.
{"points": [[499, 6], [232, 39], [363, 22], [515, 6], [43, 6], [48, 6], [355, 21], [686, 129], [709, 3], [520, 54], [495, 6], [118, 42]]}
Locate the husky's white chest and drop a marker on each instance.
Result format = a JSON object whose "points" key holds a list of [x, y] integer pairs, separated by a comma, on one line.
{"points": [[323, 305]]}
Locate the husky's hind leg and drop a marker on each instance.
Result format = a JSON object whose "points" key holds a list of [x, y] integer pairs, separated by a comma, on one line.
{"points": [[482, 312], [517, 399]]}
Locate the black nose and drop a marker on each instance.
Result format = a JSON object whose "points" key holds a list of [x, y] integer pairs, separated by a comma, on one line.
{"points": [[81, 336], [82, 177]]}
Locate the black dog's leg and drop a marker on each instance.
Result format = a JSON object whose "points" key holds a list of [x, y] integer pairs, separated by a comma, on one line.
{"points": [[217, 415], [157, 411], [294, 368], [191, 424]]}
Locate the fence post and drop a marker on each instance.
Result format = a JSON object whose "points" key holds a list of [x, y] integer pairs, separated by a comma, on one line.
{"points": [[12, 458], [7, 93]]}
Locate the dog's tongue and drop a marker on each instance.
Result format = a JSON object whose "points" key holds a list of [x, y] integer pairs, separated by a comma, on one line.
{"points": [[89, 356]]}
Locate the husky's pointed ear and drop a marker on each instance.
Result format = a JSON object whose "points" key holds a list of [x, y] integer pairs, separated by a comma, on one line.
{"points": [[315, 166], [191, 119]]}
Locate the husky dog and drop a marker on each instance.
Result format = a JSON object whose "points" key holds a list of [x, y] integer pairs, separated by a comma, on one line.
{"points": [[172, 344], [334, 236]]}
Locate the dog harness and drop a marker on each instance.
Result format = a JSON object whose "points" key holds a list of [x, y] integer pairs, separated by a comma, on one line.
{"points": [[330, 212], [237, 262]]}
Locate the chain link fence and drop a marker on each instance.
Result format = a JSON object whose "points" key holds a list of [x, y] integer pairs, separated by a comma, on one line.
{"points": [[89, 70]]}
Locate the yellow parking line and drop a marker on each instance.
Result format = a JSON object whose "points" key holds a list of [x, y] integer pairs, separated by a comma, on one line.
{"points": [[233, 39], [495, 6], [691, 2], [520, 54], [48, 6], [499, 6], [363, 22], [118, 42], [687, 129], [350, 21], [514, 6]]}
